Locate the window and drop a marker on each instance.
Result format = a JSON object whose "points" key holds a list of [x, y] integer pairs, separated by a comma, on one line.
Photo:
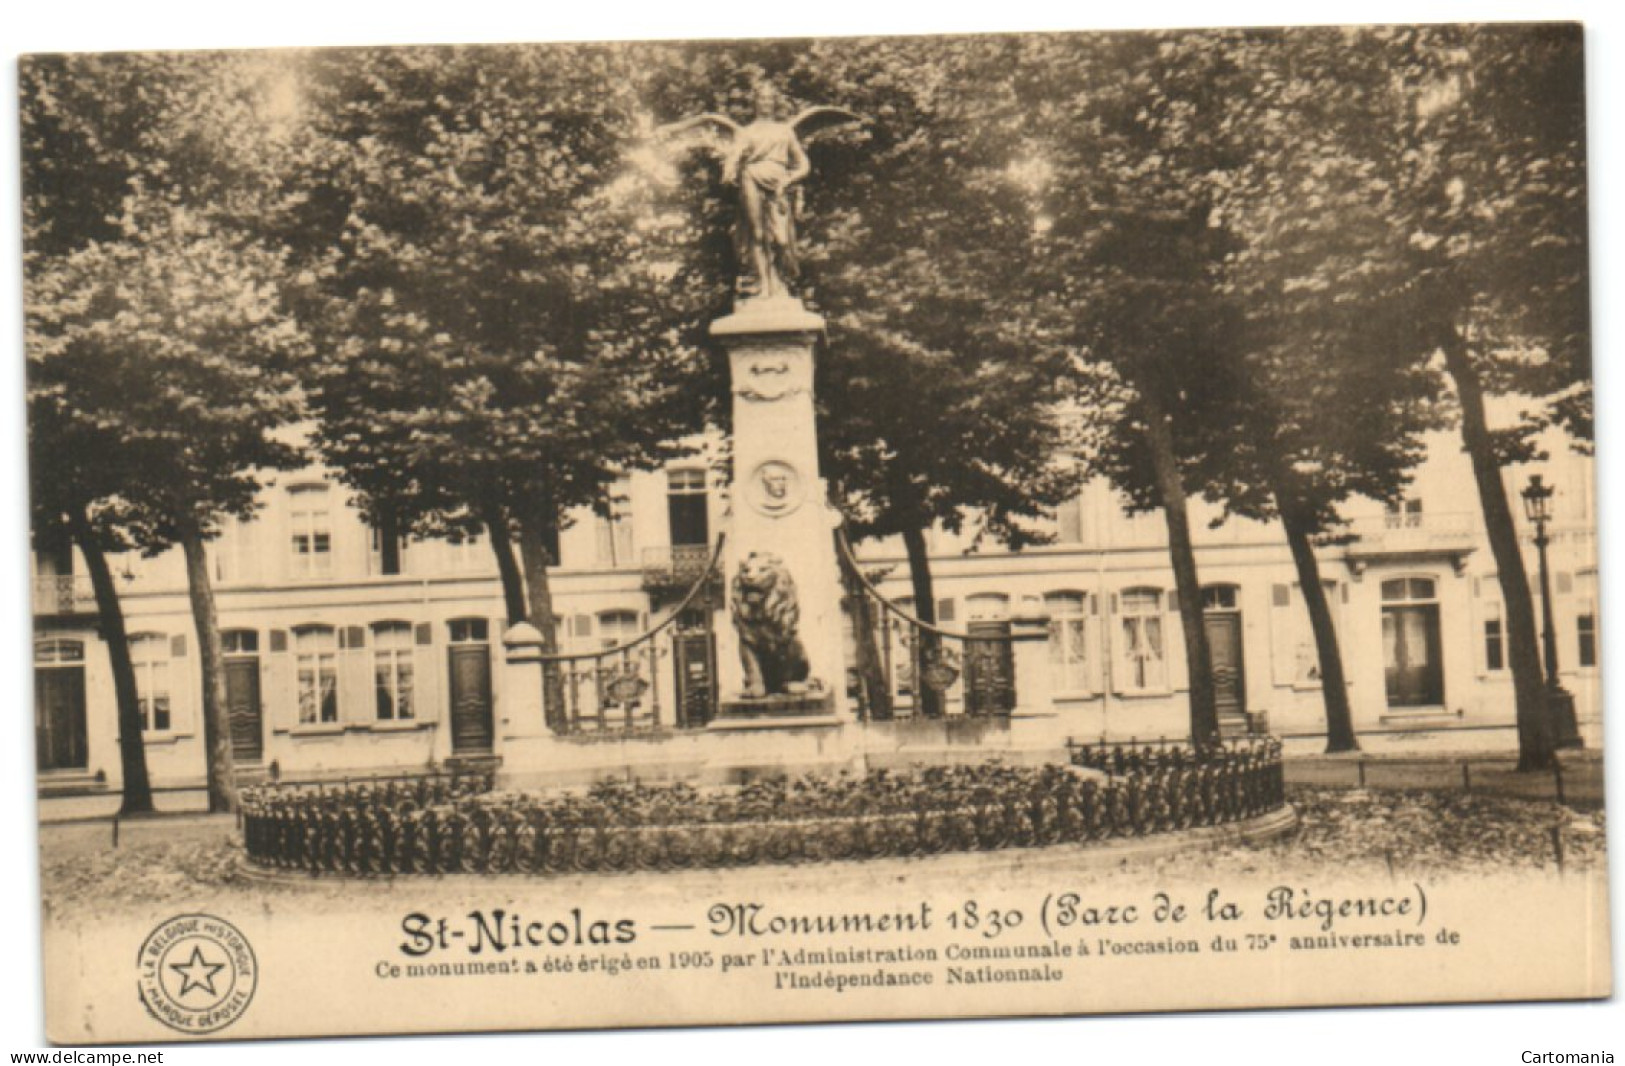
{"points": [[1404, 514], [150, 654], [311, 521], [57, 652], [987, 607], [613, 530], [1495, 648], [617, 627], [384, 549], [469, 630], [467, 552], [240, 642], [1140, 614], [231, 552], [1585, 627], [316, 657], [1069, 522], [1068, 644], [392, 670], [1219, 598], [1407, 589], [687, 508]]}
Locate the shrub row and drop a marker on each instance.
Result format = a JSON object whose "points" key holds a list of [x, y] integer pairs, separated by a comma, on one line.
{"points": [[454, 825]]}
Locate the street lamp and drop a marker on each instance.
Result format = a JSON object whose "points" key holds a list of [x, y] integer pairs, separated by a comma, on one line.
{"points": [[1537, 507]]}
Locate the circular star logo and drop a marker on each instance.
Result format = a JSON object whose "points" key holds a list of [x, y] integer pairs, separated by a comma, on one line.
{"points": [[197, 973]]}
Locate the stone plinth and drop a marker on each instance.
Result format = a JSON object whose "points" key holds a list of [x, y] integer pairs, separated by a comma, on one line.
{"points": [[784, 708], [779, 501]]}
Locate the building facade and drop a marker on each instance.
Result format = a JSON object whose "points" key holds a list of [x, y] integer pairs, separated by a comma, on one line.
{"points": [[346, 657]]}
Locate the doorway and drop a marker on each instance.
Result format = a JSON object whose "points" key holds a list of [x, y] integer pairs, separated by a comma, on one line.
{"points": [[60, 741], [1411, 648], [243, 708], [1221, 617], [694, 655], [469, 660]]}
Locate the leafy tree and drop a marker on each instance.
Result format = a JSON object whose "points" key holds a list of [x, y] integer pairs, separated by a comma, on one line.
{"points": [[73, 486], [1493, 203], [1337, 399], [155, 338], [1130, 270], [174, 352], [487, 275]]}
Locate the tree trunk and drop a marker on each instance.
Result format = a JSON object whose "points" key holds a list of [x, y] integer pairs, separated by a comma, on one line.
{"points": [[1171, 493], [872, 681], [1333, 684], [219, 760], [1536, 733], [513, 584], [925, 609], [132, 746], [533, 537]]}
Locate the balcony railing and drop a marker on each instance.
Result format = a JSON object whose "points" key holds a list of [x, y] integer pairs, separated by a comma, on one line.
{"points": [[63, 595], [1451, 535], [676, 567]]}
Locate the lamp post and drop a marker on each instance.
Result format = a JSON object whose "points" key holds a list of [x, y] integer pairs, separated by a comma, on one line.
{"points": [[1537, 507]]}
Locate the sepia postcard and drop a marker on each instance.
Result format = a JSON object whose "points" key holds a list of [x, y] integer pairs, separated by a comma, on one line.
{"points": [[622, 535]]}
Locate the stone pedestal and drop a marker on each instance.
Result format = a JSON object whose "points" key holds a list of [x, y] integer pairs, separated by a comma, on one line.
{"points": [[779, 501]]}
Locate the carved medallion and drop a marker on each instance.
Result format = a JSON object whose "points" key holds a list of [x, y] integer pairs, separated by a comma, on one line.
{"points": [[775, 489]]}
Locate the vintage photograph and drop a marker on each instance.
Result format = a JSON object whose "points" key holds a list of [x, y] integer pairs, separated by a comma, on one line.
{"points": [[618, 535]]}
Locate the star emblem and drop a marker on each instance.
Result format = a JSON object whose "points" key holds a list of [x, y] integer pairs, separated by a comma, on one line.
{"points": [[197, 973]]}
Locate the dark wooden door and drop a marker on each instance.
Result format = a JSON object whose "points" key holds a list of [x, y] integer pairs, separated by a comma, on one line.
{"points": [[59, 718], [1224, 651], [695, 656], [990, 669], [243, 709], [1411, 656], [470, 698]]}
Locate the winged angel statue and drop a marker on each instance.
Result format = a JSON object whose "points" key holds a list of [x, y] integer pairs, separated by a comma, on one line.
{"points": [[766, 160]]}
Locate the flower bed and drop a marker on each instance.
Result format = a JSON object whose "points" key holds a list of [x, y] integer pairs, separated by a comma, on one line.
{"points": [[459, 825]]}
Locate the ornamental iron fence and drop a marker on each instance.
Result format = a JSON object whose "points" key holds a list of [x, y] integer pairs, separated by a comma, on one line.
{"points": [[904, 667], [458, 825], [663, 678]]}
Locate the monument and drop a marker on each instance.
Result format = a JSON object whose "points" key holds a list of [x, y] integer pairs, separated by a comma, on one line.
{"points": [[782, 660]]}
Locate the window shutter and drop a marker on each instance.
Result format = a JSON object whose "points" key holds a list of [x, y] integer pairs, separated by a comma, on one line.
{"points": [[945, 611], [581, 627], [1283, 636], [279, 640], [1093, 604], [424, 634], [1173, 642], [177, 646], [1565, 582], [353, 637], [1117, 651]]}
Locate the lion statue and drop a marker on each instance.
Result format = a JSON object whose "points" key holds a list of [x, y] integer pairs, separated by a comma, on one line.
{"points": [[767, 616]]}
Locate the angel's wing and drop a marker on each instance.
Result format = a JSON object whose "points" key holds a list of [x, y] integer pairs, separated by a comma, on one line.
{"points": [[714, 123], [815, 120]]}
